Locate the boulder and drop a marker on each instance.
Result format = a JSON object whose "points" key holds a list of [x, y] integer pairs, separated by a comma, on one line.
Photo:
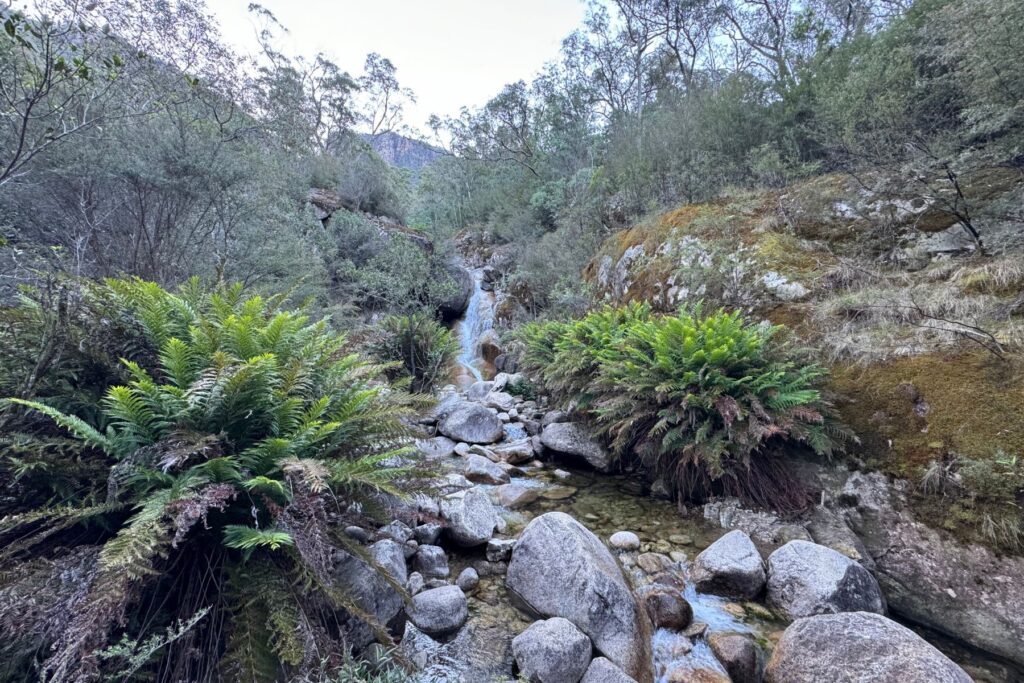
{"points": [[602, 670], [624, 540], [428, 533], [396, 531], [854, 647], [806, 578], [439, 611], [431, 562], [553, 417], [369, 590], [390, 557], [472, 423], [668, 609], [482, 471], [731, 566], [573, 438], [739, 654], [468, 580], [489, 346], [437, 448], [471, 518], [514, 496], [560, 569], [552, 651], [500, 401]]}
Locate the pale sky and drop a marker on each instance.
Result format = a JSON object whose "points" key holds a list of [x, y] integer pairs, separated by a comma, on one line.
{"points": [[450, 52]]}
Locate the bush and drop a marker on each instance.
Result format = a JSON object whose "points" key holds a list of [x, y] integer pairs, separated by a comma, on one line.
{"points": [[701, 399], [227, 467], [424, 348]]}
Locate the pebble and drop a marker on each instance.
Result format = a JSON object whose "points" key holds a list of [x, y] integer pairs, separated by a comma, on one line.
{"points": [[652, 563], [561, 474], [734, 609], [680, 539], [558, 492], [677, 556]]}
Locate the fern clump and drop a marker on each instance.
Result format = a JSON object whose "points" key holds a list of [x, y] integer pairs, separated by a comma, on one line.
{"points": [[227, 453], [701, 399], [422, 347]]}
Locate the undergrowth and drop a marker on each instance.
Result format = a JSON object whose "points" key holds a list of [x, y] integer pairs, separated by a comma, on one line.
{"points": [[703, 399], [195, 538]]}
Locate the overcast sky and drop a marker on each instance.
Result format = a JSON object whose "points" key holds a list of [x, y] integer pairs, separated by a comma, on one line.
{"points": [[450, 52]]}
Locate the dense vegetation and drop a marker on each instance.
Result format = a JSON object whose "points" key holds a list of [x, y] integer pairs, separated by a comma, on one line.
{"points": [[209, 487], [701, 399]]}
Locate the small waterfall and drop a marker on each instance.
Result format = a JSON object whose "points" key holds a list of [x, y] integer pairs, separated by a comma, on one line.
{"points": [[478, 318]]}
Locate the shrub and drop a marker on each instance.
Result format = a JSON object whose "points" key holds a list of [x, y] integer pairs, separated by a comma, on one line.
{"points": [[424, 348], [228, 465], [699, 398]]}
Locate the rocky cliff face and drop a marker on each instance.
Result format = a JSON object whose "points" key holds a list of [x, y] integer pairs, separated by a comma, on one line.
{"points": [[402, 152]]}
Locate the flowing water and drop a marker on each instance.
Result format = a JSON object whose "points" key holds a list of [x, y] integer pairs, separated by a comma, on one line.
{"points": [[478, 318]]}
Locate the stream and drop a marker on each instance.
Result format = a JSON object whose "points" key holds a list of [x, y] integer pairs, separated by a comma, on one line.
{"points": [[606, 504]]}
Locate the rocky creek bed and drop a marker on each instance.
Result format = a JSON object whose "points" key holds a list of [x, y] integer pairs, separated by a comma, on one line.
{"points": [[526, 560]]}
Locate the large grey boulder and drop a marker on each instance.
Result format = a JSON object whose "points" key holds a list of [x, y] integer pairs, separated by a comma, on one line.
{"points": [[731, 566], [478, 390], [552, 651], [500, 401], [964, 590], [390, 556], [471, 518], [560, 569], [857, 647], [472, 423], [806, 578], [602, 670], [439, 611], [515, 495], [573, 438], [480, 470]]}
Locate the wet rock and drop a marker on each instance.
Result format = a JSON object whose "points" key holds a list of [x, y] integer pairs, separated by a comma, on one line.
{"points": [[573, 438], [668, 609], [929, 577], [431, 562], [489, 345], [427, 534], [731, 566], [454, 306], [552, 651], [560, 569], [561, 474], [601, 670], [468, 580], [471, 518], [853, 647], [697, 629], [437, 448], [500, 549], [624, 540], [439, 611], [740, 655], [806, 579], [688, 675], [480, 470], [652, 563], [472, 423], [514, 496], [558, 492]]}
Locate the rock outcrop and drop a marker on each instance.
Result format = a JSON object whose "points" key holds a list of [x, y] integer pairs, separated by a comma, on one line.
{"points": [[855, 647]]}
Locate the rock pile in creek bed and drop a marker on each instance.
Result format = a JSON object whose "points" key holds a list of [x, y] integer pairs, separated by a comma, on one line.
{"points": [[591, 609]]}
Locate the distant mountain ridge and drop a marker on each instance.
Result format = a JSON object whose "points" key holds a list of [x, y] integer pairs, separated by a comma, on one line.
{"points": [[403, 152]]}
